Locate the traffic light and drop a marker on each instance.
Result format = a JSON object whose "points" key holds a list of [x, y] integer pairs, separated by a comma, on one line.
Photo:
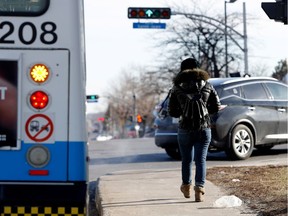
{"points": [[149, 13], [139, 118], [276, 10], [92, 98]]}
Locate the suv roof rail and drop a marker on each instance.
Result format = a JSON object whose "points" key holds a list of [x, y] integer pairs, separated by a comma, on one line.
{"points": [[237, 79]]}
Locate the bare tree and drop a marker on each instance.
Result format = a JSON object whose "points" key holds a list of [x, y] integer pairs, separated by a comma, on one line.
{"points": [[195, 36], [133, 94], [120, 100], [259, 70], [281, 70], [149, 92]]}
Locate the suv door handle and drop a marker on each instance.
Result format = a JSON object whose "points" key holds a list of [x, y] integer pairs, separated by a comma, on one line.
{"points": [[281, 110], [251, 108]]}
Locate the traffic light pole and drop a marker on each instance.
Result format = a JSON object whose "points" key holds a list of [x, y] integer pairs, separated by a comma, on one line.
{"points": [[209, 20], [134, 108]]}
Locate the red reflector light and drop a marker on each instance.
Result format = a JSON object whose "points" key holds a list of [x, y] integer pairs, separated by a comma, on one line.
{"points": [[39, 100], [38, 172]]}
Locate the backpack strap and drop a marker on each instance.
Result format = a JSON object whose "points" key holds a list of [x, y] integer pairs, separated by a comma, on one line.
{"points": [[201, 86], [189, 96], [164, 101]]}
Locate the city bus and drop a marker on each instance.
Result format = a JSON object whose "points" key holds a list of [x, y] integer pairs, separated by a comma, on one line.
{"points": [[43, 141]]}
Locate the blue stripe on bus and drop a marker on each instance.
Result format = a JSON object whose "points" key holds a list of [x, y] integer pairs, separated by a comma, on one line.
{"points": [[62, 166], [77, 161]]}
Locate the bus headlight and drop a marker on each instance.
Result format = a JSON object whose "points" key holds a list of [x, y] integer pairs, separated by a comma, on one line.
{"points": [[38, 156]]}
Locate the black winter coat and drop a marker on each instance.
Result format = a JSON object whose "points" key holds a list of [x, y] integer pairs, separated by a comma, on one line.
{"points": [[191, 81]]}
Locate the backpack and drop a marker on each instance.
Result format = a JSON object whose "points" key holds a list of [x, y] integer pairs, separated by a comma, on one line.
{"points": [[195, 111]]}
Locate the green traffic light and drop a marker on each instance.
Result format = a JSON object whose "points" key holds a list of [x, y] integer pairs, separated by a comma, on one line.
{"points": [[92, 98], [149, 13]]}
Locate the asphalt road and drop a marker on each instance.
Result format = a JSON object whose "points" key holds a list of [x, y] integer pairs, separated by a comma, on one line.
{"points": [[136, 154]]}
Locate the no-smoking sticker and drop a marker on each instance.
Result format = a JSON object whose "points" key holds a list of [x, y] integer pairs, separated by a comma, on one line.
{"points": [[39, 128]]}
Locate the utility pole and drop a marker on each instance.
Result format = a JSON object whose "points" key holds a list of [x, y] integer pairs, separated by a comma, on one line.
{"points": [[225, 34], [245, 40]]}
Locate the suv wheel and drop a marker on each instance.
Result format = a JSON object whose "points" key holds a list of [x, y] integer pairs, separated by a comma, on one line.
{"points": [[173, 153], [242, 143]]}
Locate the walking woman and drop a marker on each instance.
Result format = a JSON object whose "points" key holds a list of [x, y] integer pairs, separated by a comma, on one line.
{"points": [[194, 133]]}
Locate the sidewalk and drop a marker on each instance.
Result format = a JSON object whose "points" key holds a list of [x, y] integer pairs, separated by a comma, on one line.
{"points": [[155, 193]]}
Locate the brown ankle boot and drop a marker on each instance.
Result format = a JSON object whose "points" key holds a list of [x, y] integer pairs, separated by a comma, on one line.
{"points": [[199, 193], [186, 189]]}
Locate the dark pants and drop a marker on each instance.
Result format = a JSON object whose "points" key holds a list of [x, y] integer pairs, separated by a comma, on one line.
{"points": [[194, 145]]}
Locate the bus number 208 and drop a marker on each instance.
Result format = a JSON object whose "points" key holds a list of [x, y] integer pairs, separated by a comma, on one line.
{"points": [[47, 33]]}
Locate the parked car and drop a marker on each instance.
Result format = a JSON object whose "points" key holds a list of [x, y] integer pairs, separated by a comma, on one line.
{"points": [[253, 115], [166, 132], [131, 132]]}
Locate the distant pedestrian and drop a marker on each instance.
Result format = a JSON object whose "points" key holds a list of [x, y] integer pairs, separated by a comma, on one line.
{"points": [[192, 99]]}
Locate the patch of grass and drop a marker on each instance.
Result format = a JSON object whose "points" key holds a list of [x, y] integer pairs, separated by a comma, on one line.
{"points": [[262, 188]]}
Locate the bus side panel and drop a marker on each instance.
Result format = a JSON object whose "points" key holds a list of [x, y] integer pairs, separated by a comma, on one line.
{"points": [[77, 160], [14, 166]]}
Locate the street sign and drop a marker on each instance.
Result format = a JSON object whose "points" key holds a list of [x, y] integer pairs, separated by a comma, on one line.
{"points": [[39, 128], [149, 25]]}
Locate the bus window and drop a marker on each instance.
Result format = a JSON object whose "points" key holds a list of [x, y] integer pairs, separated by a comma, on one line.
{"points": [[8, 103], [23, 7]]}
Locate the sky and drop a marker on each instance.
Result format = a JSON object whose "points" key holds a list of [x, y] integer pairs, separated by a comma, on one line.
{"points": [[112, 45]]}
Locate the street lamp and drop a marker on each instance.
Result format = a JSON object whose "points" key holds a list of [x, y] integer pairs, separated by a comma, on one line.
{"points": [[226, 46]]}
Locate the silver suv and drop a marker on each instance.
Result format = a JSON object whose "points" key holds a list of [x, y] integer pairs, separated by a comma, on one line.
{"points": [[253, 115]]}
